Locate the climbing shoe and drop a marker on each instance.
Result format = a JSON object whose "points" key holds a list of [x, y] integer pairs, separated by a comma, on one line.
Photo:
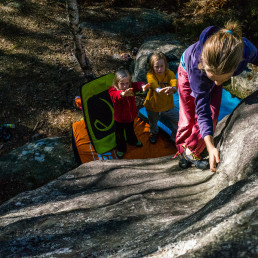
{"points": [[153, 138], [120, 154], [183, 162], [138, 144], [201, 164]]}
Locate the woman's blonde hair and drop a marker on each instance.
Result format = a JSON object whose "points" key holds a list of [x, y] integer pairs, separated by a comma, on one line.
{"points": [[223, 51], [155, 57], [120, 75]]}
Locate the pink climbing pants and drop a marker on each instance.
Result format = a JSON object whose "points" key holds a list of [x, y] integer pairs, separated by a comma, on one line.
{"points": [[188, 132]]}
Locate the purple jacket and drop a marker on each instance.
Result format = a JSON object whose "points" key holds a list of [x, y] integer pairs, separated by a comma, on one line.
{"points": [[201, 85]]}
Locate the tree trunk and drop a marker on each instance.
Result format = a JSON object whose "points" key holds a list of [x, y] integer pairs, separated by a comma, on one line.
{"points": [[72, 10]]}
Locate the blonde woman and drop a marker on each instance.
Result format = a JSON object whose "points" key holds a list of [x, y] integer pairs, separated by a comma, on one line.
{"points": [[219, 54]]}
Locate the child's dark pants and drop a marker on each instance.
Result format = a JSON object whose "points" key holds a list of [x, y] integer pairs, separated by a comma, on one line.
{"points": [[130, 135]]}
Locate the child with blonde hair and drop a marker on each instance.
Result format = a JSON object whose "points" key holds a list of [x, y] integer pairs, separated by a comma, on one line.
{"points": [[159, 101], [122, 94], [204, 66]]}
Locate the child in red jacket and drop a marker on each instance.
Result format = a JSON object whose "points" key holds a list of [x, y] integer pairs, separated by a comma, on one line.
{"points": [[125, 110]]}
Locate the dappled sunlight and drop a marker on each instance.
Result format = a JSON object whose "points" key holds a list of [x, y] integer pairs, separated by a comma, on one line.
{"points": [[7, 45], [61, 119], [7, 9], [131, 207]]}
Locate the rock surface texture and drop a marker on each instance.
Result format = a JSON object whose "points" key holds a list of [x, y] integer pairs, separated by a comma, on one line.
{"points": [[151, 208], [133, 21], [245, 83], [34, 165], [168, 44]]}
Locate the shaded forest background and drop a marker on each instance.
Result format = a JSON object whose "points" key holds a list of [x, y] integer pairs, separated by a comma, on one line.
{"points": [[40, 76], [191, 16]]}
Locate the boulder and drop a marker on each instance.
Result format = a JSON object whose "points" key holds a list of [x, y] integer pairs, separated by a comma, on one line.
{"points": [[150, 208], [33, 165], [167, 44], [245, 83], [125, 22]]}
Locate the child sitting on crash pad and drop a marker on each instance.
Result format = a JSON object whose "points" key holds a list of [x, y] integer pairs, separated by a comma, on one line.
{"points": [[122, 95]]}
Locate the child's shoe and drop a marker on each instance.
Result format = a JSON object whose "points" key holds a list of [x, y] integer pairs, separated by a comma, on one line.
{"points": [[138, 144], [153, 138], [120, 154], [201, 164]]}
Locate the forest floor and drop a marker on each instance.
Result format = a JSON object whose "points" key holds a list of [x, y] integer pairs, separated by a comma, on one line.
{"points": [[39, 74]]}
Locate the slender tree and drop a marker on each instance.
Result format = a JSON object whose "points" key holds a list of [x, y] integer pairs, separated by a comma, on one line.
{"points": [[73, 13]]}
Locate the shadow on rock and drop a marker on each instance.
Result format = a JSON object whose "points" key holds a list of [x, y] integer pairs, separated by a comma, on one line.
{"points": [[151, 208]]}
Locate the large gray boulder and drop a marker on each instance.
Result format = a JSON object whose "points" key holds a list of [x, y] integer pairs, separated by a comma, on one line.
{"points": [[168, 44], [151, 208], [34, 165], [122, 21]]}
